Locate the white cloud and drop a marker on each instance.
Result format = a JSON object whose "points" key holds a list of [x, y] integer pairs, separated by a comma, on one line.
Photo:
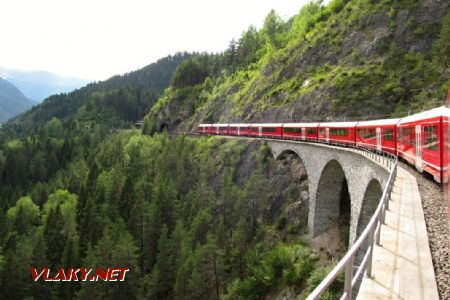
{"points": [[96, 39]]}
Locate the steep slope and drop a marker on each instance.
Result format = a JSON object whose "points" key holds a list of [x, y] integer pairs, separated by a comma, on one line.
{"points": [[351, 59], [38, 85], [12, 101]]}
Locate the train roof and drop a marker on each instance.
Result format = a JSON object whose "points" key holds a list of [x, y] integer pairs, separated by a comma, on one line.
{"points": [[239, 124], [432, 113], [338, 124], [300, 125], [267, 124], [204, 125], [379, 122]]}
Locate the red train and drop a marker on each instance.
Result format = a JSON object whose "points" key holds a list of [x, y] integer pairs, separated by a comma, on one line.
{"points": [[421, 139]]}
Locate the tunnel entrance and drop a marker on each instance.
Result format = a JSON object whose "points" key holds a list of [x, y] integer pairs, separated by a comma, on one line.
{"points": [[163, 127]]}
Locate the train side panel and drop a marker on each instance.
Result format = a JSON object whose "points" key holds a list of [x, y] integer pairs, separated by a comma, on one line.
{"points": [[300, 131], [274, 130], [420, 141], [343, 133], [378, 135]]}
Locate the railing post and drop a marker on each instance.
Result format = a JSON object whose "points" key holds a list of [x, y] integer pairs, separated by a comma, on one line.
{"points": [[388, 195], [349, 277], [383, 212], [378, 234], [369, 259]]}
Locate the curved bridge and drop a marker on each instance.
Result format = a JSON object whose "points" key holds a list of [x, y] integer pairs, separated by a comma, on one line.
{"points": [[361, 182], [332, 172]]}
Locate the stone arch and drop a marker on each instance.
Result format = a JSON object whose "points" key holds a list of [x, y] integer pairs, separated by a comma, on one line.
{"points": [[370, 202], [297, 210], [333, 203], [285, 153]]}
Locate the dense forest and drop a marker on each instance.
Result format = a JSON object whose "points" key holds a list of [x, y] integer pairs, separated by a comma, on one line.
{"points": [[204, 218], [177, 211]]}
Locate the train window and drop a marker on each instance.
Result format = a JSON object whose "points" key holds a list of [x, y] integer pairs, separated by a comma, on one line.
{"points": [[388, 134], [322, 131], [407, 136], [255, 129], [339, 131], [292, 130], [366, 133], [232, 128], [222, 128], [430, 137], [269, 129], [311, 130]]}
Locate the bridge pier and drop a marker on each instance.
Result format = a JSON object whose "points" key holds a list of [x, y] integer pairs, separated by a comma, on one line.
{"points": [[328, 168]]}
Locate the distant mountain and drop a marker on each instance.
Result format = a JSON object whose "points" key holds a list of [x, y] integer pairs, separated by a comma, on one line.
{"points": [[12, 101], [38, 85], [127, 96]]}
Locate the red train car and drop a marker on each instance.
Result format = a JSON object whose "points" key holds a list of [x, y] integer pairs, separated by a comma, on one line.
{"points": [[219, 129], [378, 134], [337, 133], [446, 155], [270, 130], [204, 128], [300, 131], [446, 152], [420, 140], [239, 129]]}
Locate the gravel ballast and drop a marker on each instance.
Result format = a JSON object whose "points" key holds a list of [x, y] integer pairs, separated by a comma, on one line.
{"points": [[437, 222]]}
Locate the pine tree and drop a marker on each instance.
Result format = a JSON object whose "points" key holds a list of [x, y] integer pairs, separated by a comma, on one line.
{"points": [[163, 273], [54, 237], [40, 289], [126, 198]]}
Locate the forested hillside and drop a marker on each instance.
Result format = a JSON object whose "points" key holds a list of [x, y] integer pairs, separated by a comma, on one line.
{"points": [[205, 218], [121, 98], [350, 59], [191, 218]]}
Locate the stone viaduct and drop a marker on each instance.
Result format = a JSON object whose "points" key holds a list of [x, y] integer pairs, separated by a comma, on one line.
{"points": [[331, 172]]}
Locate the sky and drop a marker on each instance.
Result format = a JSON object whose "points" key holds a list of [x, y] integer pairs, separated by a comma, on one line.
{"points": [[96, 39]]}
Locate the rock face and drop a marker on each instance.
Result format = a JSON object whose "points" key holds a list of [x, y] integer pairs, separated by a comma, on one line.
{"points": [[366, 61], [289, 178], [287, 184]]}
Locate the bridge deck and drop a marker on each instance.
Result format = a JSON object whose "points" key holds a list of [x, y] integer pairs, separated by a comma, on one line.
{"points": [[402, 265]]}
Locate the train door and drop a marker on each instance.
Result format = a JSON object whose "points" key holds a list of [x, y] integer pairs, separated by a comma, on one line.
{"points": [[260, 131], [239, 130], [379, 139], [327, 134], [217, 129], [303, 133], [418, 147]]}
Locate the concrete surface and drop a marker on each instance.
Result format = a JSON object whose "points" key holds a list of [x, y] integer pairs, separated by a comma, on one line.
{"points": [[402, 265]]}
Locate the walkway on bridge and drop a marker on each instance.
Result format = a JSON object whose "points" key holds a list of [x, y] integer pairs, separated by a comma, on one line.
{"points": [[402, 265]]}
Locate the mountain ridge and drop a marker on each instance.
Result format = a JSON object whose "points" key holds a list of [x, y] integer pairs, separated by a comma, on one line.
{"points": [[12, 100], [38, 85]]}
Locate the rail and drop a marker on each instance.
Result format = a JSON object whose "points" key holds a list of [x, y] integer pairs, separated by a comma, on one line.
{"points": [[371, 233]]}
